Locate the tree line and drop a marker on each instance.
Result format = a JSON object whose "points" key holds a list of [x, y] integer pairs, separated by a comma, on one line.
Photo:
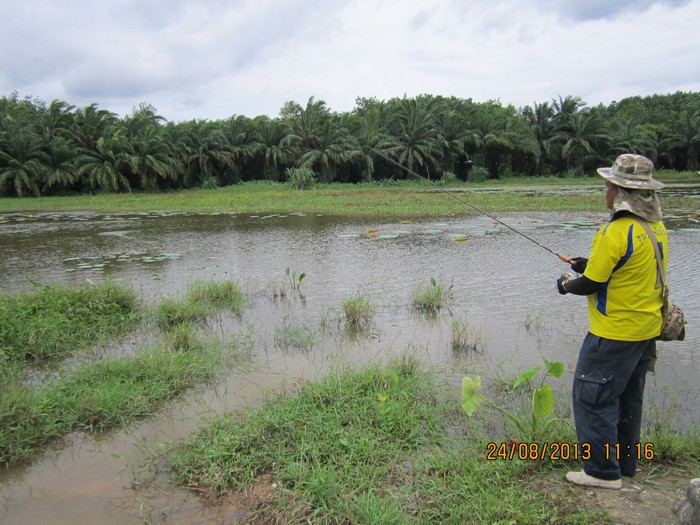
{"points": [[57, 148]]}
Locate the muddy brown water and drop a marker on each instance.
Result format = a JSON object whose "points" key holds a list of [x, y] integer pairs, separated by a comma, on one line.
{"points": [[503, 285]]}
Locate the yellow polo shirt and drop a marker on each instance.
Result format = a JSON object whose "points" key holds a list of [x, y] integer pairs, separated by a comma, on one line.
{"points": [[628, 307]]}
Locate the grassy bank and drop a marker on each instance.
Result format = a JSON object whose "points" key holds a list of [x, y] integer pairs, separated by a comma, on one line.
{"points": [[44, 398], [376, 445], [417, 199]]}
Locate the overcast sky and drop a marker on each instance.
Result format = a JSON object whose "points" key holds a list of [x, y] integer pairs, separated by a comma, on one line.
{"points": [[213, 59]]}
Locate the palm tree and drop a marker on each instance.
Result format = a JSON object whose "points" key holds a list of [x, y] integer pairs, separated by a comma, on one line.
{"points": [[367, 123], [275, 152], [244, 144], [583, 141], [105, 169], [61, 157], [22, 163], [630, 137], [56, 120], [208, 155], [306, 124], [540, 118], [682, 144], [153, 160], [90, 125], [454, 135], [332, 147], [412, 139]]}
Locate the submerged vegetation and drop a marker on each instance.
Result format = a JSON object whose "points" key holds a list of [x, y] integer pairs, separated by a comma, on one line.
{"points": [[466, 338]]}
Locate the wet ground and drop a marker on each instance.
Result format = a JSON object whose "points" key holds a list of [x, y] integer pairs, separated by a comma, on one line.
{"points": [[502, 284]]}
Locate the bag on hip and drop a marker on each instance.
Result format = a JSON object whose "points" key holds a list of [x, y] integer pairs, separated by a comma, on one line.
{"points": [[673, 324]]}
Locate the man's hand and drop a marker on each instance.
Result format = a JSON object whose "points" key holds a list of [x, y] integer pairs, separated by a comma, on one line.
{"points": [[578, 264], [561, 284]]}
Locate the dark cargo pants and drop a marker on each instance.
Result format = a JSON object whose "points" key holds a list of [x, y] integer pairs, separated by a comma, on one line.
{"points": [[607, 397]]}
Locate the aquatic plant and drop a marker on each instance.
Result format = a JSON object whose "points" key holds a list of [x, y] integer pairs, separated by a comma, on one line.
{"points": [[297, 336], [534, 323], [430, 299], [294, 280], [534, 425], [465, 338], [358, 309], [96, 396]]}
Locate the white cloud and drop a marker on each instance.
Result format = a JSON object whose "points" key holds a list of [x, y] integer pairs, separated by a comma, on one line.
{"points": [[216, 58]]}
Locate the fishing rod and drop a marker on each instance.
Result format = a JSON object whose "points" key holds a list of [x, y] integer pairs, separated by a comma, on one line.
{"points": [[562, 257]]}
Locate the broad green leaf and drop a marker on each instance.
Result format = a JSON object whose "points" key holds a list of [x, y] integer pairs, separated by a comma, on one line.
{"points": [[526, 375], [301, 277], [471, 399], [542, 401], [433, 282], [554, 367]]}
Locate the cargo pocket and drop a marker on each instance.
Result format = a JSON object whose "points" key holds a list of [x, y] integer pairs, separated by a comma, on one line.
{"points": [[593, 388]]}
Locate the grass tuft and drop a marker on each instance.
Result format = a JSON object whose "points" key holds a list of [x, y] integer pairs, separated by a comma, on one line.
{"points": [[431, 299], [51, 322], [97, 396], [465, 338], [358, 309]]}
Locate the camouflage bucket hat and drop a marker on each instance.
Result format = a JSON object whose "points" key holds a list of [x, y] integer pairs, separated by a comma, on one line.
{"points": [[633, 172]]}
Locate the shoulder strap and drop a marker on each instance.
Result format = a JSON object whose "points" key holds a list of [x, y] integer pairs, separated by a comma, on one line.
{"points": [[657, 253]]}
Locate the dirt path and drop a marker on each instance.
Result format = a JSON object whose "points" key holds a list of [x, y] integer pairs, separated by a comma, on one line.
{"points": [[645, 500]]}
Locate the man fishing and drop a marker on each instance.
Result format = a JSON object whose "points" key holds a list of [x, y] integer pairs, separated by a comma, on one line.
{"points": [[622, 283]]}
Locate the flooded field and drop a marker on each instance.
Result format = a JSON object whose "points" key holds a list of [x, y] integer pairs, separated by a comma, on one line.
{"points": [[502, 284]]}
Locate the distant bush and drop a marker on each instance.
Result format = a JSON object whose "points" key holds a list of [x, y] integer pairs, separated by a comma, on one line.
{"points": [[478, 174], [448, 178], [301, 178], [209, 183]]}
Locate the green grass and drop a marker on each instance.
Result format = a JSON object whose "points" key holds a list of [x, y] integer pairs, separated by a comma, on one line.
{"points": [[51, 322], [360, 200], [99, 395], [202, 300], [40, 405], [374, 445]]}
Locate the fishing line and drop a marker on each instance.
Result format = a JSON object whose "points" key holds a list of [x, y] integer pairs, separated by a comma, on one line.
{"points": [[562, 257]]}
